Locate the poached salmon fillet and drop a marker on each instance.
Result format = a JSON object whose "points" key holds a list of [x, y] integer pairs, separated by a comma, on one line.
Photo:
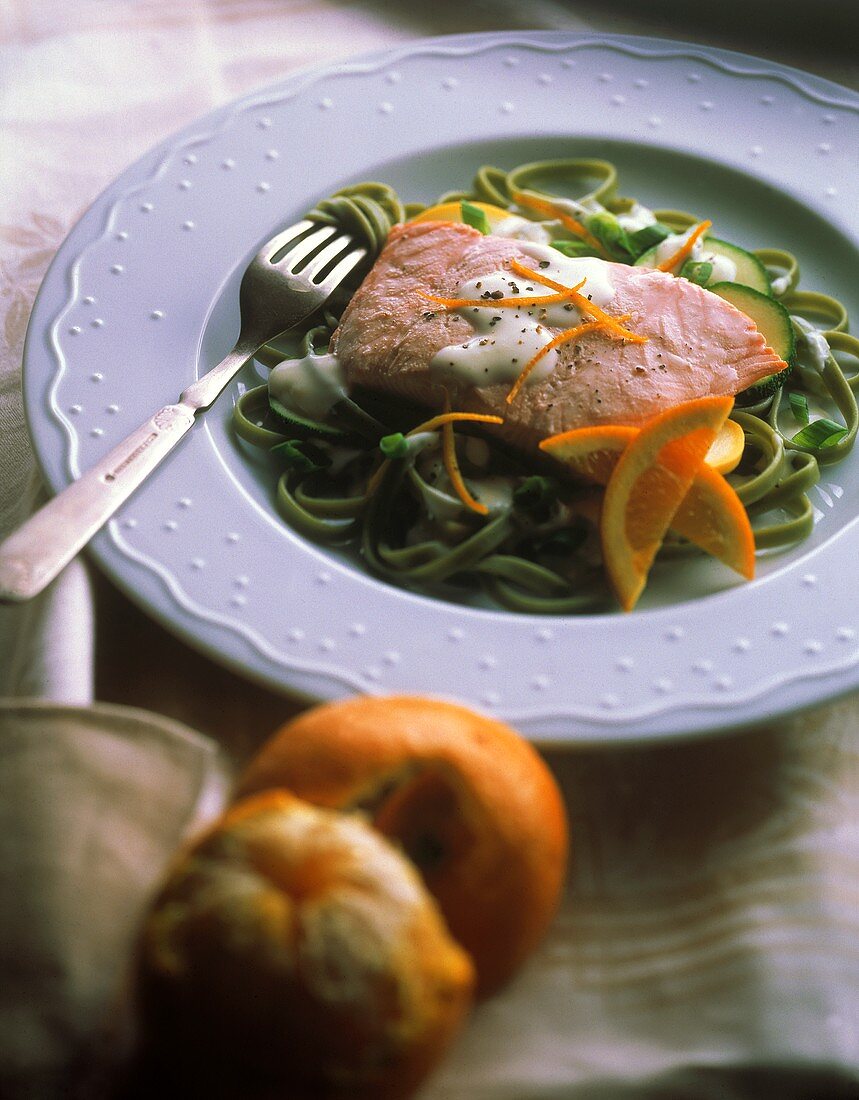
{"points": [[396, 338]]}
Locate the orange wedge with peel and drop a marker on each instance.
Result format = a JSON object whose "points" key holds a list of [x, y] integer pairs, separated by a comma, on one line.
{"points": [[647, 486], [592, 453], [712, 516]]}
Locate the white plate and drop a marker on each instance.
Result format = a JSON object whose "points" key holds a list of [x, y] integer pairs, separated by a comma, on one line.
{"points": [[142, 298]]}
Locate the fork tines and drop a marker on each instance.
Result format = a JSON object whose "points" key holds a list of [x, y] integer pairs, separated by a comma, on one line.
{"points": [[315, 250]]}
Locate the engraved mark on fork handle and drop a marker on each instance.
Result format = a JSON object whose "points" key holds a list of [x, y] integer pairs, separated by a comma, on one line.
{"points": [[162, 421], [112, 475]]}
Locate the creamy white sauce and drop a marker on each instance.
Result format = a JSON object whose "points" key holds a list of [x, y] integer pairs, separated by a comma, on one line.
{"points": [[815, 343], [554, 228], [506, 338], [439, 500], [477, 451], [568, 270], [579, 210], [637, 217], [724, 268], [495, 491], [780, 284], [674, 241], [310, 386], [521, 229]]}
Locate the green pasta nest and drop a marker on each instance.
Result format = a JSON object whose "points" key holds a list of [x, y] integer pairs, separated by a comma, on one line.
{"points": [[358, 477]]}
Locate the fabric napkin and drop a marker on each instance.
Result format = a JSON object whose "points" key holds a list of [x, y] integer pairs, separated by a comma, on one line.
{"points": [[706, 942], [710, 920], [93, 803]]}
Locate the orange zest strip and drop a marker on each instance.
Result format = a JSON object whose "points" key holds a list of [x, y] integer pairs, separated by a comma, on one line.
{"points": [[376, 478], [584, 304], [448, 450], [453, 417], [561, 338], [432, 425], [544, 206], [685, 248], [491, 303], [453, 472]]}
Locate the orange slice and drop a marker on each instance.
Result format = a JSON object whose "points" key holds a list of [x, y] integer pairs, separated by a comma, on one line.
{"points": [[649, 482], [727, 449], [712, 516], [452, 212], [592, 453]]}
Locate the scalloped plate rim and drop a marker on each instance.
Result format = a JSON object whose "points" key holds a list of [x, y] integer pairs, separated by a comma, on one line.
{"points": [[604, 727]]}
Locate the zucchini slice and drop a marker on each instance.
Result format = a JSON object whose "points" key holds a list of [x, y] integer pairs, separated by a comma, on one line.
{"points": [[303, 426], [750, 271], [773, 322]]}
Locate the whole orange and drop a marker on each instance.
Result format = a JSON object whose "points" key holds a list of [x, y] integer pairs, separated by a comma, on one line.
{"points": [[469, 801]]}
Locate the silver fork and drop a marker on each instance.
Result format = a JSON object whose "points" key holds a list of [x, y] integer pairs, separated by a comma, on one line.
{"points": [[279, 290]]}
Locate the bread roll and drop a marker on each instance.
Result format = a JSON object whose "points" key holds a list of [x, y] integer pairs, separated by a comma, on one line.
{"points": [[469, 801], [294, 953]]}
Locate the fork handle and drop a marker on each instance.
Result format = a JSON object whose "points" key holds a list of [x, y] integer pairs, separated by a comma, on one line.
{"points": [[33, 555], [41, 547]]}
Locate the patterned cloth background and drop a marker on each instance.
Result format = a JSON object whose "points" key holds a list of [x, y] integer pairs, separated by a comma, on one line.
{"points": [[712, 913]]}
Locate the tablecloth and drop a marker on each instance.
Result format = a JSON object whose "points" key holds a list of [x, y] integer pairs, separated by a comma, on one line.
{"points": [[706, 943]]}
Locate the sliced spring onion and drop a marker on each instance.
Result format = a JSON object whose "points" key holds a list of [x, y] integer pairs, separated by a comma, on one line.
{"points": [[697, 271], [820, 433], [394, 446], [611, 235], [799, 407], [475, 217], [647, 237], [575, 249]]}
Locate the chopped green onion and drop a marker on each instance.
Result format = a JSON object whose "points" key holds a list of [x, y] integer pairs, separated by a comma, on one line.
{"points": [[475, 217], [575, 249], [799, 407], [820, 433], [302, 455], [394, 446], [647, 237], [697, 271], [611, 235]]}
